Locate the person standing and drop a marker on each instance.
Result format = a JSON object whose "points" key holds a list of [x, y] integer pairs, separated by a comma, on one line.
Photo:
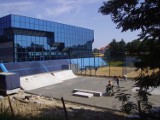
{"points": [[117, 80], [125, 77]]}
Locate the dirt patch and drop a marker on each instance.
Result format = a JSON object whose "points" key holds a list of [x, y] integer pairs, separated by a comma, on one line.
{"points": [[29, 105]]}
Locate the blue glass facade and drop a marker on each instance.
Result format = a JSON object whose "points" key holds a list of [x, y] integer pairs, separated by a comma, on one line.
{"points": [[30, 39]]}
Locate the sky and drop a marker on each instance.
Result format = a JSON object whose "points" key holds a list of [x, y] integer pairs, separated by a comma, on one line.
{"points": [[82, 13]]}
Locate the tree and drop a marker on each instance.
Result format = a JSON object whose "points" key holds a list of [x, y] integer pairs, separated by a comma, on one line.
{"points": [[122, 46], [95, 50], [117, 49], [133, 47], [143, 15]]}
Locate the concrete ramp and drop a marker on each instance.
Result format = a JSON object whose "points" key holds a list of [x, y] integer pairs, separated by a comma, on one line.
{"points": [[46, 79], [65, 75]]}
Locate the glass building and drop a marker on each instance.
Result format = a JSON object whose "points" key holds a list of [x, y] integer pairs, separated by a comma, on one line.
{"points": [[29, 39]]}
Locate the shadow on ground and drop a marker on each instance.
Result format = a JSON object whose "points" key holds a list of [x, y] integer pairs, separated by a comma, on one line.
{"points": [[57, 113], [82, 114]]}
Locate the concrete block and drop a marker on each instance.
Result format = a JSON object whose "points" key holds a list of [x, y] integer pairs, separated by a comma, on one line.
{"points": [[95, 93], [83, 94]]}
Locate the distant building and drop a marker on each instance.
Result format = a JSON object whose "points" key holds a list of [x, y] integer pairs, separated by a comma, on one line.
{"points": [[30, 39], [103, 49]]}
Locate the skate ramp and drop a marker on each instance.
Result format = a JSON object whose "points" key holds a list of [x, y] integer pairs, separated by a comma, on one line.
{"points": [[64, 75], [46, 79]]}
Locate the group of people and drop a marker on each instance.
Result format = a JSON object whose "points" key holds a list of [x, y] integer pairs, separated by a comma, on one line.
{"points": [[109, 87], [116, 78]]}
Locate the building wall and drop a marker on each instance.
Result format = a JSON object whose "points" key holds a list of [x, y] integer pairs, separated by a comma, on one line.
{"points": [[36, 39], [6, 52]]}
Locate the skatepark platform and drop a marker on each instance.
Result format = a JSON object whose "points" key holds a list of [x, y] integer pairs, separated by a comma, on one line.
{"points": [[65, 90]]}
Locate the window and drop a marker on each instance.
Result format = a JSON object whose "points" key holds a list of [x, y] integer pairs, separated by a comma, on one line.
{"points": [[36, 21], [17, 18], [27, 20], [31, 26], [40, 22], [22, 19], [23, 25], [17, 24], [37, 27], [31, 20]]}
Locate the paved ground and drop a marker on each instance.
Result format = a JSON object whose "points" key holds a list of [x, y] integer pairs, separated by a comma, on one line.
{"points": [[65, 89]]}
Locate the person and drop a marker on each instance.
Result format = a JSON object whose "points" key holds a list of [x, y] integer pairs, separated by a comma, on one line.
{"points": [[109, 87], [125, 77], [117, 80], [110, 83]]}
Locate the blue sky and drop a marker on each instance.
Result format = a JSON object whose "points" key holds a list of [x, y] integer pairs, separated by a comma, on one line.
{"points": [[83, 13]]}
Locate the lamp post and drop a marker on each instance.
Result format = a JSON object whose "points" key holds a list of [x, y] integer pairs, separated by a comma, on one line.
{"points": [[123, 63], [109, 61], [70, 55], [124, 71]]}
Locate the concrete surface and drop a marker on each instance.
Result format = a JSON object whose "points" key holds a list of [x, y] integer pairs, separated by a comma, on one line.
{"points": [[153, 91], [65, 90]]}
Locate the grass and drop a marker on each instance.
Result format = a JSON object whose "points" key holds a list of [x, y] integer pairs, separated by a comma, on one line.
{"points": [[115, 63], [112, 71], [115, 68]]}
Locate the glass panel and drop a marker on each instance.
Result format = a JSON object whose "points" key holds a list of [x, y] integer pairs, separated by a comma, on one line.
{"points": [[37, 27], [17, 18], [45, 23], [27, 25], [40, 22], [27, 19], [23, 25], [31, 20], [40, 27], [36, 21], [18, 37], [48, 23], [17, 24], [13, 23], [31, 26], [22, 19], [48, 28], [12, 18]]}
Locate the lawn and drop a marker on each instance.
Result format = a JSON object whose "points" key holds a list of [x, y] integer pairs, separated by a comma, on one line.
{"points": [[112, 71]]}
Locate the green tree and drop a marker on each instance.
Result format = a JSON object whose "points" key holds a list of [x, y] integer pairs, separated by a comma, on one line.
{"points": [[133, 47], [142, 15], [122, 46], [95, 50], [117, 47]]}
